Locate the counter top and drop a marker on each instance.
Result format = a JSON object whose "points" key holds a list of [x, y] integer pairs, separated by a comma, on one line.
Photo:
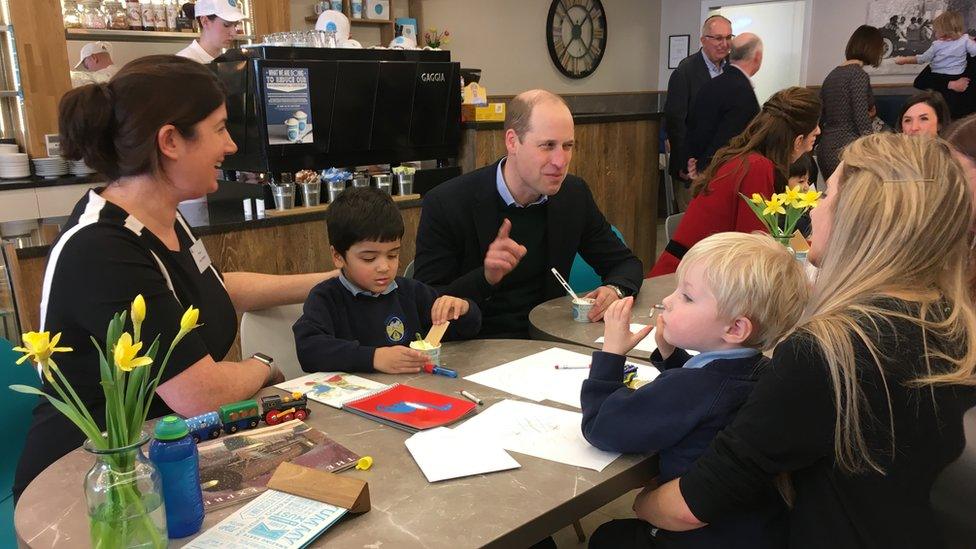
{"points": [[34, 182], [579, 118], [223, 212]]}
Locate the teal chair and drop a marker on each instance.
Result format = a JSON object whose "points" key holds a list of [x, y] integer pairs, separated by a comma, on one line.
{"points": [[582, 277], [15, 418]]}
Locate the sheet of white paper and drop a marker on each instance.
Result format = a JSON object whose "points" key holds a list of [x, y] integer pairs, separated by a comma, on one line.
{"points": [[647, 344], [443, 454], [535, 377], [540, 431]]}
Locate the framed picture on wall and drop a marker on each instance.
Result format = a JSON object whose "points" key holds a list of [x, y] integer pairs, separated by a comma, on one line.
{"points": [[678, 45]]}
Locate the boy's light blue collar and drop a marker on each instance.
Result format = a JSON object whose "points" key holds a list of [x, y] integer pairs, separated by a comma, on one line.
{"points": [[356, 290], [702, 359], [506, 194]]}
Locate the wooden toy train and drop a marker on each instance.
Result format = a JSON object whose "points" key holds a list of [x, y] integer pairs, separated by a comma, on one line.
{"points": [[246, 414]]}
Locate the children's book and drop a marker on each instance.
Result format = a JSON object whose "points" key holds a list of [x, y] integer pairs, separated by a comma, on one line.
{"points": [[237, 467], [275, 520], [332, 388], [410, 408]]}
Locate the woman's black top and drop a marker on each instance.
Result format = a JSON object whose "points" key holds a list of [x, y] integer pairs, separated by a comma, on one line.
{"points": [[787, 426], [103, 258]]}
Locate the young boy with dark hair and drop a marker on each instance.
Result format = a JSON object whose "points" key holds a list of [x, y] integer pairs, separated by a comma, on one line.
{"points": [[737, 295], [364, 320]]}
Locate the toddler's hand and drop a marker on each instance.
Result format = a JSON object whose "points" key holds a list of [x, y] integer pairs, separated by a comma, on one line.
{"points": [[447, 308], [398, 360], [665, 348], [617, 337]]}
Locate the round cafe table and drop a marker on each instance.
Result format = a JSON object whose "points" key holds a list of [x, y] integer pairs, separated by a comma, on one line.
{"points": [[515, 508], [553, 320]]}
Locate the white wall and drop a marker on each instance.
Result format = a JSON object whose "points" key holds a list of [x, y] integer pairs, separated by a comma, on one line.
{"points": [[506, 39], [831, 24]]}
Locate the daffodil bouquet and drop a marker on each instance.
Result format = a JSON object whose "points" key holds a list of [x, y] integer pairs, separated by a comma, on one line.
{"points": [[123, 511], [782, 211], [126, 378]]}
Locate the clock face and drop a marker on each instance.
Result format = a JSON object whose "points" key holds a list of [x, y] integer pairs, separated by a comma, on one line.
{"points": [[576, 32]]}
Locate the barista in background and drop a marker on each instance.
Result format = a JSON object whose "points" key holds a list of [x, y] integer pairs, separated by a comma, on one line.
{"points": [[218, 21], [94, 66]]}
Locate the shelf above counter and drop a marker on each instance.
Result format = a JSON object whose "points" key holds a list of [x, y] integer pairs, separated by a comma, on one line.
{"points": [[354, 22], [136, 36]]}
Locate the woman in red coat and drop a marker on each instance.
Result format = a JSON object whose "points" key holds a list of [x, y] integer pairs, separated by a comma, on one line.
{"points": [[755, 161]]}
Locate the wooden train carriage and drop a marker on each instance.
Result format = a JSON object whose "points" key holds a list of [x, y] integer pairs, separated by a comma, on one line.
{"points": [[239, 415]]}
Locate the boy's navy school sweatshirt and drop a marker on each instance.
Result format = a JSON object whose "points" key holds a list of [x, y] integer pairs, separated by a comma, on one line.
{"points": [[677, 415], [340, 332]]}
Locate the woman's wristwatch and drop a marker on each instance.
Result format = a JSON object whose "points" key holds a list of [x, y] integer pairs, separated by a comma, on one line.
{"points": [[261, 357], [618, 290]]}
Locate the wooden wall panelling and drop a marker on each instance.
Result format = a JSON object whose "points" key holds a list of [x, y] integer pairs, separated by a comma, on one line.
{"points": [[43, 58], [32, 273], [270, 16]]}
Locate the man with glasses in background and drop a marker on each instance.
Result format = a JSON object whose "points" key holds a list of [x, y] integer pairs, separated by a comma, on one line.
{"points": [[692, 73]]}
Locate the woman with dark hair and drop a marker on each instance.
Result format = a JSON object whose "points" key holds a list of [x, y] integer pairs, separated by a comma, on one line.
{"points": [[925, 113], [156, 148], [217, 20], [757, 161], [846, 97]]}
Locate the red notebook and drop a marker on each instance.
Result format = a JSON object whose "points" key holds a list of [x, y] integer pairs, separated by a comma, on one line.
{"points": [[410, 408]]}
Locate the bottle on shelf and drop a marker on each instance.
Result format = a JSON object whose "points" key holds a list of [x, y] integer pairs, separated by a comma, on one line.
{"points": [[148, 16], [71, 15], [92, 15], [159, 10], [175, 455], [172, 10], [116, 15], [133, 14]]}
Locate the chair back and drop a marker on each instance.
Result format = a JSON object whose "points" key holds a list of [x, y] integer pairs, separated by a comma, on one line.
{"points": [[582, 277], [671, 224], [408, 272], [269, 331], [952, 492], [16, 411]]}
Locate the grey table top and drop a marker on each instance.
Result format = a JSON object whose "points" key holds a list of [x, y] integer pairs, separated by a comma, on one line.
{"points": [[506, 509], [553, 320]]}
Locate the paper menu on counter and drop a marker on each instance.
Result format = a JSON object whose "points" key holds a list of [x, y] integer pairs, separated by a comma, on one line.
{"points": [[535, 377], [274, 520], [537, 430], [444, 453], [332, 388]]}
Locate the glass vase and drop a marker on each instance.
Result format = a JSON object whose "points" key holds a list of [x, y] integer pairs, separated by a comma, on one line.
{"points": [[124, 495]]}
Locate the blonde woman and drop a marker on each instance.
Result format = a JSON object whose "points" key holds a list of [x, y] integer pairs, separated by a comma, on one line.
{"points": [[862, 406]]}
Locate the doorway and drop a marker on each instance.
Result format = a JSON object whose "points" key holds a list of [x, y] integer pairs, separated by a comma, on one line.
{"points": [[781, 26]]}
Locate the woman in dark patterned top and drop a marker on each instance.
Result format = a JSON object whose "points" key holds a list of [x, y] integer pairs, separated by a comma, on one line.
{"points": [[846, 97]]}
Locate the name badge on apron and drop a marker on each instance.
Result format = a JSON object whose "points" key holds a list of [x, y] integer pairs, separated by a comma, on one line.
{"points": [[200, 256]]}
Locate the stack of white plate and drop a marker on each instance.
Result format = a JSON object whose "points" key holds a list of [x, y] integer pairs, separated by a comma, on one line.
{"points": [[78, 167], [8, 148], [50, 167], [14, 166]]}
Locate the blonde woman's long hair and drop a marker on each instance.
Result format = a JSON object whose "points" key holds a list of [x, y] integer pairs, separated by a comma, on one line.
{"points": [[900, 229]]}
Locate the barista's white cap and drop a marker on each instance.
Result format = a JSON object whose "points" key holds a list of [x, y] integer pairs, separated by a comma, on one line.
{"points": [[91, 48], [227, 10]]}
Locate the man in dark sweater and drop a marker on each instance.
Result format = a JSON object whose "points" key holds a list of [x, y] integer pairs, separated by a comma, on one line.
{"points": [[737, 294], [363, 320], [492, 235]]}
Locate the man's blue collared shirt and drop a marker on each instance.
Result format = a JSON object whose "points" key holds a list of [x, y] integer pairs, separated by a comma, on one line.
{"points": [[356, 290], [506, 194], [714, 69], [701, 360]]}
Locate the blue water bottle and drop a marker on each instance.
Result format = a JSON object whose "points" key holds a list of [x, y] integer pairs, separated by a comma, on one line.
{"points": [[175, 455]]}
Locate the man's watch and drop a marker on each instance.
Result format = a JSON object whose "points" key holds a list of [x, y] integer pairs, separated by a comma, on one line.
{"points": [[620, 292], [261, 357]]}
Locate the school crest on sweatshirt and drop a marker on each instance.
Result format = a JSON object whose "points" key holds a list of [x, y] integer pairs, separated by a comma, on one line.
{"points": [[395, 330]]}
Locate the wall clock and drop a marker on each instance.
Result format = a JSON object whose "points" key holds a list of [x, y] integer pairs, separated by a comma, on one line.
{"points": [[576, 33]]}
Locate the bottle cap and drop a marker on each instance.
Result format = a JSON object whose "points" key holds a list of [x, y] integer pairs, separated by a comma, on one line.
{"points": [[170, 428]]}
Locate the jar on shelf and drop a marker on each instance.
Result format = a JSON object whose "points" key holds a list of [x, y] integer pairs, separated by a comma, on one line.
{"points": [[159, 12], [172, 12], [71, 15], [134, 14], [148, 16], [92, 15], [116, 15]]}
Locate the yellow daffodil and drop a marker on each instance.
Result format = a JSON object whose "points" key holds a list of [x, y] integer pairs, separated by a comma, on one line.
{"points": [[38, 347], [809, 199], [757, 199], [791, 196], [125, 354], [774, 206], [138, 310], [189, 321], [364, 463]]}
